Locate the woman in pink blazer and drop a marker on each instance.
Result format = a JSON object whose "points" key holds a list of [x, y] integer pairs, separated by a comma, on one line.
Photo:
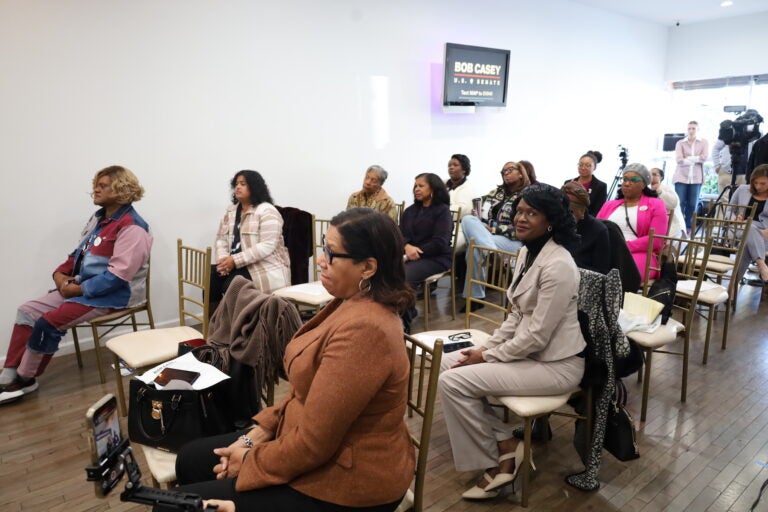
{"points": [[636, 211]]}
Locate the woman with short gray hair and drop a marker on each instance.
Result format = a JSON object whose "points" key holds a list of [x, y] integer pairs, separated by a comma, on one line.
{"points": [[372, 195]]}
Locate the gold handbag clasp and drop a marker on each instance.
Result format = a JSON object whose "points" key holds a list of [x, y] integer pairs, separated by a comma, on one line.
{"points": [[157, 410], [157, 414]]}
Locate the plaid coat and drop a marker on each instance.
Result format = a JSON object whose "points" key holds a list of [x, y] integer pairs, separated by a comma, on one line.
{"points": [[263, 249]]}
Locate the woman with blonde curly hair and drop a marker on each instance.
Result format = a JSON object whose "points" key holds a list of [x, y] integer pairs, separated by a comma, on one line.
{"points": [[107, 271]]}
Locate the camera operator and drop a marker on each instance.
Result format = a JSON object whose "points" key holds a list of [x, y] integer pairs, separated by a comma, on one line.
{"points": [[691, 153], [721, 157]]}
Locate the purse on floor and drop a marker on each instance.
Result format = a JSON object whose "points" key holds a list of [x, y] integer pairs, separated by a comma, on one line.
{"points": [[620, 435], [167, 419]]}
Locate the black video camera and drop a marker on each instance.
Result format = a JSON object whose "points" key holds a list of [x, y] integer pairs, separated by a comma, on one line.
{"points": [[744, 129], [623, 155]]}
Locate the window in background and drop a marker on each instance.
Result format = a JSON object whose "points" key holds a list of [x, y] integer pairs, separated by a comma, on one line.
{"points": [[703, 101]]}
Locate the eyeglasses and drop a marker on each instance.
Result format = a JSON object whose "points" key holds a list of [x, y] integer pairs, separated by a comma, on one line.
{"points": [[509, 170], [466, 335], [103, 186], [632, 179], [530, 214], [329, 254]]}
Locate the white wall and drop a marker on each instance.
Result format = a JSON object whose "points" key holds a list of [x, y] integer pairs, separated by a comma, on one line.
{"points": [[727, 47], [185, 93]]}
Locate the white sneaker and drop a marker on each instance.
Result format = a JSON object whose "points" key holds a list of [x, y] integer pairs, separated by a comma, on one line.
{"points": [[17, 389]]}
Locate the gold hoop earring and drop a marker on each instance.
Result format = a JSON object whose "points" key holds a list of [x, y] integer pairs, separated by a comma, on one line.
{"points": [[361, 286]]}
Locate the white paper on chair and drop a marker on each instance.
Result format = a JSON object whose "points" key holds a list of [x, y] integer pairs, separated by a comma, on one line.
{"points": [[209, 375], [688, 285], [315, 288]]}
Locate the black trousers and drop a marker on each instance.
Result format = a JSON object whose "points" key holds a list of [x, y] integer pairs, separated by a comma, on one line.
{"points": [[194, 471], [219, 284]]}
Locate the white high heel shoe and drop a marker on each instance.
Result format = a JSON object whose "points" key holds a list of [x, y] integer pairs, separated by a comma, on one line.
{"points": [[502, 479], [478, 493]]}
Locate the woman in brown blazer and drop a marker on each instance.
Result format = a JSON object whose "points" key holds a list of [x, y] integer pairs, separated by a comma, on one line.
{"points": [[338, 440]]}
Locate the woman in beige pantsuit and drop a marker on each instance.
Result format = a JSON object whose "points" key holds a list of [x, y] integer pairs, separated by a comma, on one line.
{"points": [[536, 351]]}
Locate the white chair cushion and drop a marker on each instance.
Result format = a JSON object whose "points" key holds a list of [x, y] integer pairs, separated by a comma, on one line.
{"points": [[710, 293], [478, 337], [312, 294], [663, 335], [161, 464], [152, 346], [524, 406], [720, 258], [437, 277]]}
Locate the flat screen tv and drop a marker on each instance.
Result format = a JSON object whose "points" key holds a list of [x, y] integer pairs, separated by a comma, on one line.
{"points": [[670, 140], [475, 76]]}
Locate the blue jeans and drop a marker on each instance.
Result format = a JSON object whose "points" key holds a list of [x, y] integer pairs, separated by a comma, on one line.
{"points": [[474, 228], [689, 198]]}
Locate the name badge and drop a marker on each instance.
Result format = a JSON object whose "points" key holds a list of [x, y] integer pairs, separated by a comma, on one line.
{"points": [[97, 242], [643, 208]]}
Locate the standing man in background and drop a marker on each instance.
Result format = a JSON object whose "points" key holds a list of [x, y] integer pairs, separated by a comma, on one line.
{"points": [[691, 153]]}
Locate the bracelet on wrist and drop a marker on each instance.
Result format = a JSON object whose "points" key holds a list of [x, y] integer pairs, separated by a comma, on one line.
{"points": [[247, 440]]}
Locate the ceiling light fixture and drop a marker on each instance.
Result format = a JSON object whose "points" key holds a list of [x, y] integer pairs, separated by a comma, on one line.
{"points": [[726, 3]]}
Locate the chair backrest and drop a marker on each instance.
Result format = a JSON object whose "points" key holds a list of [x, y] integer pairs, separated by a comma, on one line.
{"points": [[727, 236], [399, 208], [319, 229], [670, 218], [496, 269], [194, 268], [422, 392], [689, 256], [456, 218], [725, 210]]}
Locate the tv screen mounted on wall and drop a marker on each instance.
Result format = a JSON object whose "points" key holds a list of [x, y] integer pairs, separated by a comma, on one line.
{"points": [[475, 76]]}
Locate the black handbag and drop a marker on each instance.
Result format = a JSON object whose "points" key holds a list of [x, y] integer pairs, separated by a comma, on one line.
{"points": [[620, 435], [238, 396], [663, 289], [167, 419]]}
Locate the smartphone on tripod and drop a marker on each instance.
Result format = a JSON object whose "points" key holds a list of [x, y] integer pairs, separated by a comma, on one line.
{"points": [[103, 424]]}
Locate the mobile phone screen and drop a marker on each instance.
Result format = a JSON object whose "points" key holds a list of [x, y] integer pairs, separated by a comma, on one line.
{"points": [[106, 442], [105, 427], [169, 374]]}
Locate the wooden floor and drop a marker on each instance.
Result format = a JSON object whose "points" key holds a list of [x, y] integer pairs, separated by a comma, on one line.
{"points": [[709, 454]]}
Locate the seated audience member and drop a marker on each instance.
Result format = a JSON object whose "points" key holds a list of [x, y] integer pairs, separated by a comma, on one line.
{"points": [[636, 211], [530, 170], [427, 227], [106, 272], [757, 238], [671, 202], [597, 190], [373, 195], [460, 191], [534, 352], [338, 441], [493, 225], [249, 242], [592, 252]]}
